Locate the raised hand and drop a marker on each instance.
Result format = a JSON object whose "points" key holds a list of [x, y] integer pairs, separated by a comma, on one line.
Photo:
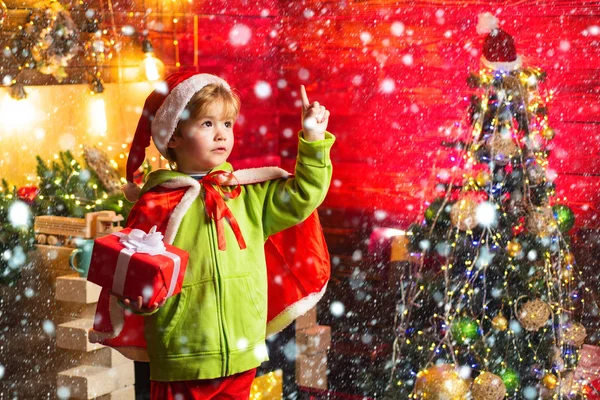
{"points": [[315, 118]]}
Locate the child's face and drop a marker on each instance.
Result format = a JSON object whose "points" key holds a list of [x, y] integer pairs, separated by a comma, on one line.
{"points": [[206, 141]]}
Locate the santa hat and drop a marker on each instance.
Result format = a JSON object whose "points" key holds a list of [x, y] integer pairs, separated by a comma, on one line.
{"points": [[159, 119], [499, 52]]}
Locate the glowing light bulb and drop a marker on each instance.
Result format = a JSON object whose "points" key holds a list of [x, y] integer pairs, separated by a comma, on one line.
{"points": [[98, 115], [151, 68]]}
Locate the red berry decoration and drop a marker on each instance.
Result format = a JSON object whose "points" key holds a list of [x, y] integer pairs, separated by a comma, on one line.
{"points": [[28, 193]]}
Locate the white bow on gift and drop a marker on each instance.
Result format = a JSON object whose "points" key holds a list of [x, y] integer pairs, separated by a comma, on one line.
{"points": [[141, 242]]}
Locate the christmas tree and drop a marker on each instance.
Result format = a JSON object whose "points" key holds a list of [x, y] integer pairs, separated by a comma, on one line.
{"points": [[65, 188], [69, 189], [492, 310]]}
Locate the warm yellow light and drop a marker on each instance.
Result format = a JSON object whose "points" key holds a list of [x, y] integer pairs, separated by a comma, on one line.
{"points": [[16, 114], [151, 68], [98, 115]]}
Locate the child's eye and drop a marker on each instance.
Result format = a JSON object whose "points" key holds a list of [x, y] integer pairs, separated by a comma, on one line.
{"points": [[208, 124], [228, 124]]}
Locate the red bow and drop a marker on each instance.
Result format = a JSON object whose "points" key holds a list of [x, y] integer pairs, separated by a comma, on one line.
{"points": [[217, 209]]}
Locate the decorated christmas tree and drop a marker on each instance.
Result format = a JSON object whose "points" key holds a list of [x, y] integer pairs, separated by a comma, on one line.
{"points": [[66, 188], [492, 310]]}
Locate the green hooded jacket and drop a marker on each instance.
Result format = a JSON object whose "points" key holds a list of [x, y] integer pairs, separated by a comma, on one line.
{"points": [[216, 325]]}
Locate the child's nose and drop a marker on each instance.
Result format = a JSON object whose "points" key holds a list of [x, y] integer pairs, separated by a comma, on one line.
{"points": [[221, 134]]}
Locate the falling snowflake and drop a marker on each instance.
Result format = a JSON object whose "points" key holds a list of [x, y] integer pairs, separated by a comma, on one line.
{"points": [[262, 90], [239, 35], [19, 215]]}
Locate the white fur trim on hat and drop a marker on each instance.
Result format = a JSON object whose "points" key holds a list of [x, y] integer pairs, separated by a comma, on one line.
{"points": [[167, 116], [502, 66], [486, 23]]}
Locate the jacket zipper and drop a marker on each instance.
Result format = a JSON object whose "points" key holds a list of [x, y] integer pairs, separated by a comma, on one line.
{"points": [[219, 295]]}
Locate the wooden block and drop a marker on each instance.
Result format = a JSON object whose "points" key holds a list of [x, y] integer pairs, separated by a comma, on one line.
{"points": [[74, 288], [307, 320], [313, 340], [74, 335], [61, 226], [311, 371], [268, 386], [91, 218], [52, 257], [102, 357], [127, 393], [400, 249], [88, 382]]}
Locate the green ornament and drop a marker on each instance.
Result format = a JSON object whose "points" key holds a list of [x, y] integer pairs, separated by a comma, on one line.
{"points": [[565, 218], [511, 379], [465, 330], [432, 211]]}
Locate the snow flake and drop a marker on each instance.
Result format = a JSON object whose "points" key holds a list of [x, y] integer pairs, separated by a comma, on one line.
{"points": [[239, 35], [262, 90], [282, 84], [486, 214], [19, 215], [308, 13], [242, 344], [365, 38], [387, 86], [66, 141], [303, 74], [288, 133], [397, 28], [63, 392], [49, 327], [337, 308]]}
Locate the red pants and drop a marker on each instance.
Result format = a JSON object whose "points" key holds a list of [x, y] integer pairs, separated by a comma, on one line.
{"points": [[234, 387]]}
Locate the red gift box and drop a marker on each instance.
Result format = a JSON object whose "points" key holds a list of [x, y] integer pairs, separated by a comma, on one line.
{"points": [[133, 263]]}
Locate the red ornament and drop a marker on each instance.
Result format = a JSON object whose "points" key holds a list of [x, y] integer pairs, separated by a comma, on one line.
{"points": [[28, 193], [520, 227], [592, 390], [508, 168]]}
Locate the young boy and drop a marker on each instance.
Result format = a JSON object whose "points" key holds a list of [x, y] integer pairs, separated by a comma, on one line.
{"points": [[207, 341]]}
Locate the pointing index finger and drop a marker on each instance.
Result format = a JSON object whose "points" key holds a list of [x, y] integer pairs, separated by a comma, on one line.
{"points": [[305, 102]]}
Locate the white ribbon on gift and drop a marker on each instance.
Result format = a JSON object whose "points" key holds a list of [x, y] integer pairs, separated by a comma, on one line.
{"points": [[138, 241]]}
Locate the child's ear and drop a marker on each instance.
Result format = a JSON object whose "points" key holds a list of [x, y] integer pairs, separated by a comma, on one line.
{"points": [[172, 142]]}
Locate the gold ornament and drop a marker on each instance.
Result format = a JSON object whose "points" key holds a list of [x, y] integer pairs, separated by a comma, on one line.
{"points": [[574, 335], [441, 382], [500, 322], [513, 247], [566, 273], [502, 148], [548, 133], [488, 386], [483, 179], [534, 314], [569, 385], [462, 214], [269, 386], [550, 381], [541, 221], [569, 258]]}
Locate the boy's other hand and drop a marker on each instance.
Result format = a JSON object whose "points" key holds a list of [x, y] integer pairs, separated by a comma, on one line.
{"points": [[314, 118], [137, 304]]}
